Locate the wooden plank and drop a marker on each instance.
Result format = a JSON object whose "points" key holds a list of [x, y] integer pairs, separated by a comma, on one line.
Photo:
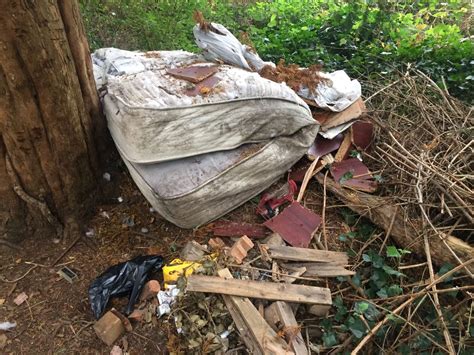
{"points": [[258, 289], [337, 118], [319, 269], [257, 335], [244, 331], [280, 317], [305, 254]]}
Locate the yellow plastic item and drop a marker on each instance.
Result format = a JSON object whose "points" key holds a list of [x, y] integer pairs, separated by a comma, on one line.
{"points": [[177, 268]]}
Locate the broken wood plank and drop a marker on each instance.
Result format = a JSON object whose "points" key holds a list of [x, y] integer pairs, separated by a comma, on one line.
{"points": [[257, 335], [305, 254], [338, 118], [319, 269], [258, 289], [404, 231], [344, 149], [244, 330], [281, 318]]}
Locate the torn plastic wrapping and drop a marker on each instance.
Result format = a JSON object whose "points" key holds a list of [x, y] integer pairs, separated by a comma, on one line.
{"points": [[127, 278], [337, 94], [220, 45]]}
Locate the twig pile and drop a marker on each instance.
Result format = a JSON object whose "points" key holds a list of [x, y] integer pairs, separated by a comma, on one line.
{"points": [[425, 149]]}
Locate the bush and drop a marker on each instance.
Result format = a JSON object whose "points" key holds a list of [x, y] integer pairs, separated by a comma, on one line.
{"points": [[364, 37]]}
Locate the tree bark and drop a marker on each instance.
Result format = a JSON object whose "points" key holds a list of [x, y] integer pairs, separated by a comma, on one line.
{"points": [[49, 117]]}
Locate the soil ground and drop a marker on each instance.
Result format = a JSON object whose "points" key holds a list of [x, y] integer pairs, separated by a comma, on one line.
{"points": [[56, 318]]}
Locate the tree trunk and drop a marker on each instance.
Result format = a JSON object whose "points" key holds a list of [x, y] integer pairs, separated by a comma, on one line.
{"points": [[49, 117]]}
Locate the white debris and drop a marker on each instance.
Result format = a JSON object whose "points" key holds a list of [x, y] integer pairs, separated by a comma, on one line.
{"points": [[7, 325], [166, 299]]}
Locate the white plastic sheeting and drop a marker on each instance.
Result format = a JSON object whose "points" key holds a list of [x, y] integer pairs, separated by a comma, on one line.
{"points": [[220, 45], [337, 94]]}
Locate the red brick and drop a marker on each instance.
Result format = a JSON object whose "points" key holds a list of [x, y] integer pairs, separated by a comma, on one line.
{"points": [[240, 248], [150, 290], [109, 328]]}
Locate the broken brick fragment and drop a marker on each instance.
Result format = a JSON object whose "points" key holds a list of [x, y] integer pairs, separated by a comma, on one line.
{"points": [[137, 315], [150, 290], [240, 248], [109, 328], [216, 243]]}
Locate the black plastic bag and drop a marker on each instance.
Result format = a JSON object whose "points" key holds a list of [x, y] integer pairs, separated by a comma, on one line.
{"points": [[122, 279]]}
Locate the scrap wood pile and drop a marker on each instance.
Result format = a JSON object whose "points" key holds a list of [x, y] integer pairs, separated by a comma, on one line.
{"points": [[259, 298]]}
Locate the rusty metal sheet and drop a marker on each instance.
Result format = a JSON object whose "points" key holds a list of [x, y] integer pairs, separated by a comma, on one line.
{"points": [[323, 146], [238, 229], [353, 173], [362, 133], [195, 73], [296, 225], [204, 87]]}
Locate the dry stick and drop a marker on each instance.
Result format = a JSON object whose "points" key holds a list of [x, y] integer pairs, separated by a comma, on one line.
{"points": [[324, 212], [40, 205], [447, 335], [307, 177], [443, 94], [18, 279], [406, 303], [467, 211], [74, 242], [411, 336], [379, 91], [274, 272], [431, 225], [389, 230]]}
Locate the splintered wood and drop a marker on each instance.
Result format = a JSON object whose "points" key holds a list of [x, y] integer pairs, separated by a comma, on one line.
{"points": [[257, 335], [304, 254], [258, 289], [281, 318]]}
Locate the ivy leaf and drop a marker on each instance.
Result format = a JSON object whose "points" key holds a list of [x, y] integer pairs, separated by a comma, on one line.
{"points": [[347, 176], [444, 269], [361, 307], [382, 293], [394, 290], [392, 252], [356, 279], [391, 271], [357, 327], [378, 178], [329, 339], [326, 324]]}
